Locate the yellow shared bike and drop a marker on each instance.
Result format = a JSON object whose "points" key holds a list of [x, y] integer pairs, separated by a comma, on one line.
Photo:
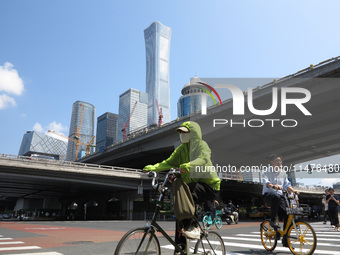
{"points": [[301, 237]]}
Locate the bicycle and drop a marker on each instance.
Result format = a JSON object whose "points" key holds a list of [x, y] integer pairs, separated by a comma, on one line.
{"points": [[301, 237], [207, 221], [144, 240]]}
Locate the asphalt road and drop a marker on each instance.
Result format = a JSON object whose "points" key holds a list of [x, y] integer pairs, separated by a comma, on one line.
{"points": [[101, 237]]}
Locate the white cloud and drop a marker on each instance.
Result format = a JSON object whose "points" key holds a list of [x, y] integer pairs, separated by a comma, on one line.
{"points": [[10, 82], [58, 127], [6, 101], [38, 128]]}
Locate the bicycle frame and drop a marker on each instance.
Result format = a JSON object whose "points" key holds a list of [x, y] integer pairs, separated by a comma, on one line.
{"points": [[153, 226], [290, 220], [210, 220]]}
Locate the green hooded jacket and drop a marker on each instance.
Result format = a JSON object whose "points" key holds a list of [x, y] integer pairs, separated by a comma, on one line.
{"points": [[194, 157]]}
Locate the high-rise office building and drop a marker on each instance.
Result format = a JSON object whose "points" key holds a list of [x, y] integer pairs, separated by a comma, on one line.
{"points": [[191, 101], [82, 113], [107, 127], [133, 113], [41, 145], [157, 48]]}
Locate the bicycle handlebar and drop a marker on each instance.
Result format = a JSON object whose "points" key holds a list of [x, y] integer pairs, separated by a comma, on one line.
{"points": [[153, 174]]}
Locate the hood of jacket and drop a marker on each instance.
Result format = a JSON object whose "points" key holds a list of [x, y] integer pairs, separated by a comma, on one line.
{"points": [[195, 130]]}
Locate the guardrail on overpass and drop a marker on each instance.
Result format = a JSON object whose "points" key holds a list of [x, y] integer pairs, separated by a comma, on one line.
{"points": [[24, 162]]}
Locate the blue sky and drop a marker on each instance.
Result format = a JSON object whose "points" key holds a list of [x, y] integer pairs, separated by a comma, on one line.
{"points": [[54, 53]]}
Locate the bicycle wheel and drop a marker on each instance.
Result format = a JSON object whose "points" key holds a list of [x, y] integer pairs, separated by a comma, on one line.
{"points": [[218, 222], [268, 236], [302, 239], [138, 241], [210, 243], [205, 221]]}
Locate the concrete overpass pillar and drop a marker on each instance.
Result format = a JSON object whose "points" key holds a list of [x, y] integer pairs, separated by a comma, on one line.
{"points": [[49, 203], [127, 199]]}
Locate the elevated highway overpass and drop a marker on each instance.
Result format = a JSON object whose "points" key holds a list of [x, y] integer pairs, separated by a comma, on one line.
{"points": [[314, 137], [33, 183]]}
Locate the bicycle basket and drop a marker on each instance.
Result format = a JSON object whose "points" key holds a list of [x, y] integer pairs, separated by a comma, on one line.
{"points": [[294, 211]]}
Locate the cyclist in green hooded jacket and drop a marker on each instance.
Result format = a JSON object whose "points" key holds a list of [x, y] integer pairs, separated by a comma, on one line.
{"points": [[193, 159]]}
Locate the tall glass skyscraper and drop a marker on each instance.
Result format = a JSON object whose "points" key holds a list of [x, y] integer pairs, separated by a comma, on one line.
{"points": [[107, 127], [157, 48], [132, 103], [85, 112], [191, 101], [41, 144]]}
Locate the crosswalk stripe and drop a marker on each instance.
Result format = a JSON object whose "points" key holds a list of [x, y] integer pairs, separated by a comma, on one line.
{"points": [[259, 240], [6, 238], [254, 246], [317, 234], [38, 253], [260, 247], [14, 242], [20, 248]]}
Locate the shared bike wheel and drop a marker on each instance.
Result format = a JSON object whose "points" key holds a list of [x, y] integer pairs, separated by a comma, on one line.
{"points": [[205, 221], [268, 236], [302, 239], [218, 222], [210, 243], [138, 241]]}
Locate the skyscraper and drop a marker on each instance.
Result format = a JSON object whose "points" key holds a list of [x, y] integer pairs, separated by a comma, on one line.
{"points": [[191, 101], [82, 113], [41, 144], [157, 48], [107, 127], [132, 104]]}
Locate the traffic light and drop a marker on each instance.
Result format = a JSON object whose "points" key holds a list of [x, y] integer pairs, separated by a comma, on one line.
{"points": [[310, 169]]}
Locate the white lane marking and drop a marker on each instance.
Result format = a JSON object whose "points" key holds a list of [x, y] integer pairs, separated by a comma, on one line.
{"points": [[51, 228], [14, 242], [20, 248], [38, 253]]}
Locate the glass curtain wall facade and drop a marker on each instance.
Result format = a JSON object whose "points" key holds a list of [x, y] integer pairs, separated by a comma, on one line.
{"points": [[132, 103], [191, 101], [107, 127], [157, 47], [86, 112], [38, 143]]}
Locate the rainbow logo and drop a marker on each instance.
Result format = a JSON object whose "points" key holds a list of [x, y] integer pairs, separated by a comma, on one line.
{"points": [[208, 92]]}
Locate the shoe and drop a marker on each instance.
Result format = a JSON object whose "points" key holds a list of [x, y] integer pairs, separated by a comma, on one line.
{"points": [[324, 222], [274, 224], [192, 232]]}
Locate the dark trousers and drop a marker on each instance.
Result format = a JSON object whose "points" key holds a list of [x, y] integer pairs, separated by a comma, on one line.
{"points": [[325, 215], [334, 218], [201, 193], [278, 206]]}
